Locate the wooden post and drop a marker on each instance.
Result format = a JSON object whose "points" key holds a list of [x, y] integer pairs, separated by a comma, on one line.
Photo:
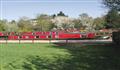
{"points": [[6, 39], [19, 39], [66, 40], [50, 37], [33, 40]]}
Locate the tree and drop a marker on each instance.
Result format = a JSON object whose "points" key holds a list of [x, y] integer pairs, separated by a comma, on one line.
{"points": [[25, 25], [62, 21], [43, 23], [65, 26], [99, 23], [77, 23], [113, 19], [113, 15], [112, 4], [87, 22], [53, 16], [12, 26], [2, 25], [61, 14]]}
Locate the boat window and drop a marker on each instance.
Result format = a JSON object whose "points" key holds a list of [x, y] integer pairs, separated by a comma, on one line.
{"points": [[37, 36]]}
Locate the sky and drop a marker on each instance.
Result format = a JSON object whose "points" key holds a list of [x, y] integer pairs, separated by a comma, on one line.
{"points": [[15, 9]]}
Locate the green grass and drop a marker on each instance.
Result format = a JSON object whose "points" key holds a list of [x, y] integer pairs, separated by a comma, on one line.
{"points": [[18, 52], [59, 57]]}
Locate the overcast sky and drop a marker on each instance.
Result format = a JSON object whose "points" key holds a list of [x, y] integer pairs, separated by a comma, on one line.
{"points": [[14, 9]]}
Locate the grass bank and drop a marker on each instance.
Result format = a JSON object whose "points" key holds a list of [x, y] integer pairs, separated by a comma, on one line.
{"points": [[59, 57]]}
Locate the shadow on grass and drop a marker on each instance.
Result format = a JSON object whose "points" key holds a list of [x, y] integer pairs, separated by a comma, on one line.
{"points": [[93, 57], [83, 57]]}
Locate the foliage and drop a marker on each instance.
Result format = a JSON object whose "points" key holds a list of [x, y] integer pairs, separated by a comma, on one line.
{"points": [[12, 26], [24, 25], [113, 16], [53, 16], [43, 23], [99, 23], [77, 23], [112, 4], [113, 19], [86, 21], [2, 25], [61, 14]]}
